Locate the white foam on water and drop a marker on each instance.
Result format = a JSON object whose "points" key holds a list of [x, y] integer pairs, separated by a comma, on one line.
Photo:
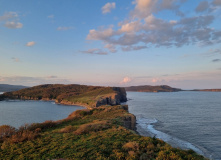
{"points": [[53, 102], [148, 125]]}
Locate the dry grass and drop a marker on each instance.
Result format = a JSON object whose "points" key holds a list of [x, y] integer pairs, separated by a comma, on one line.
{"points": [[68, 129], [92, 127], [131, 146]]}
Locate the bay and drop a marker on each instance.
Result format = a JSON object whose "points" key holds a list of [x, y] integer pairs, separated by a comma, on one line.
{"points": [[17, 113]]}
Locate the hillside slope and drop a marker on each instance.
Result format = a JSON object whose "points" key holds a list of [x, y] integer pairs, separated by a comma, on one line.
{"points": [[88, 96]]}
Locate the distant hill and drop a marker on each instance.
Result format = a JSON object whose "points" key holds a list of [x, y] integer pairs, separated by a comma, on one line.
{"points": [[148, 88], [10, 88], [74, 94], [208, 90]]}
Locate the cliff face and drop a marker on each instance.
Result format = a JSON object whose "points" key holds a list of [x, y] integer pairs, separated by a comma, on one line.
{"points": [[147, 88], [129, 120], [88, 96], [113, 99]]}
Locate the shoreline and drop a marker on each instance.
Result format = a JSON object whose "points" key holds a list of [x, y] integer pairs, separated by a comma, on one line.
{"points": [[149, 130]]}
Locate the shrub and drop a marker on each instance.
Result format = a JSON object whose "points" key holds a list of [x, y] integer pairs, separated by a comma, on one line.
{"points": [[80, 113], [68, 129], [6, 131], [23, 136], [134, 146], [41, 126], [90, 127]]}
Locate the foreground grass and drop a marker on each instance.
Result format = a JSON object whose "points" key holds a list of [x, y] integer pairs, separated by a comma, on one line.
{"points": [[88, 134]]}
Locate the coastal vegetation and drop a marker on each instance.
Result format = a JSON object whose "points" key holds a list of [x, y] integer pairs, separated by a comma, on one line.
{"points": [[89, 96], [105, 132]]}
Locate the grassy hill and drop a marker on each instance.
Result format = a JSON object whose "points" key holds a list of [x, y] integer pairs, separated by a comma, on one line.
{"points": [[148, 88], [100, 133], [89, 96]]}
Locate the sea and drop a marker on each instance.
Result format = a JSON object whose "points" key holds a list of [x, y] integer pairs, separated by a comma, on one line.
{"points": [[187, 119], [17, 112]]}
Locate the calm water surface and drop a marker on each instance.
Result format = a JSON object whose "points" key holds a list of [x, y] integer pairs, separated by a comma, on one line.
{"points": [[17, 113], [188, 120]]}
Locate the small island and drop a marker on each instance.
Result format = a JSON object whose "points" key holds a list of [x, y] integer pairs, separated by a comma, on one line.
{"points": [[208, 90], [148, 88]]}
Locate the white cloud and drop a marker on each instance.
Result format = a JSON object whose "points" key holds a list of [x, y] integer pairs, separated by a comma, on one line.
{"points": [[155, 80], [29, 44], [8, 15], [203, 6], [13, 25], [108, 7], [64, 28], [143, 29], [95, 51], [216, 2], [131, 26], [144, 8], [125, 80], [132, 48], [15, 59], [10, 20], [101, 34], [111, 48]]}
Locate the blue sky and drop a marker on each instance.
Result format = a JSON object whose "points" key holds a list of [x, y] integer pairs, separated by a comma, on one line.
{"points": [[111, 43]]}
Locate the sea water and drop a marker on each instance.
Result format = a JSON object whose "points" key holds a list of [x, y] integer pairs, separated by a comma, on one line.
{"points": [[17, 113], [187, 120]]}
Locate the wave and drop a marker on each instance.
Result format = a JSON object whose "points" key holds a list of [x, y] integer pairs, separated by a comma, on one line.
{"points": [[148, 125]]}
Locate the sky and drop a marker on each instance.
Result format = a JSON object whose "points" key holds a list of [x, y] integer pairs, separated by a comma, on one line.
{"points": [[111, 43]]}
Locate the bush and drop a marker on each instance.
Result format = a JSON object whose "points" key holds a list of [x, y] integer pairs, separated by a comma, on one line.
{"points": [[80, 113], [23, 136], [41, 126], [92, 127], [68, 129], [134, 146], [6, 131]]}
